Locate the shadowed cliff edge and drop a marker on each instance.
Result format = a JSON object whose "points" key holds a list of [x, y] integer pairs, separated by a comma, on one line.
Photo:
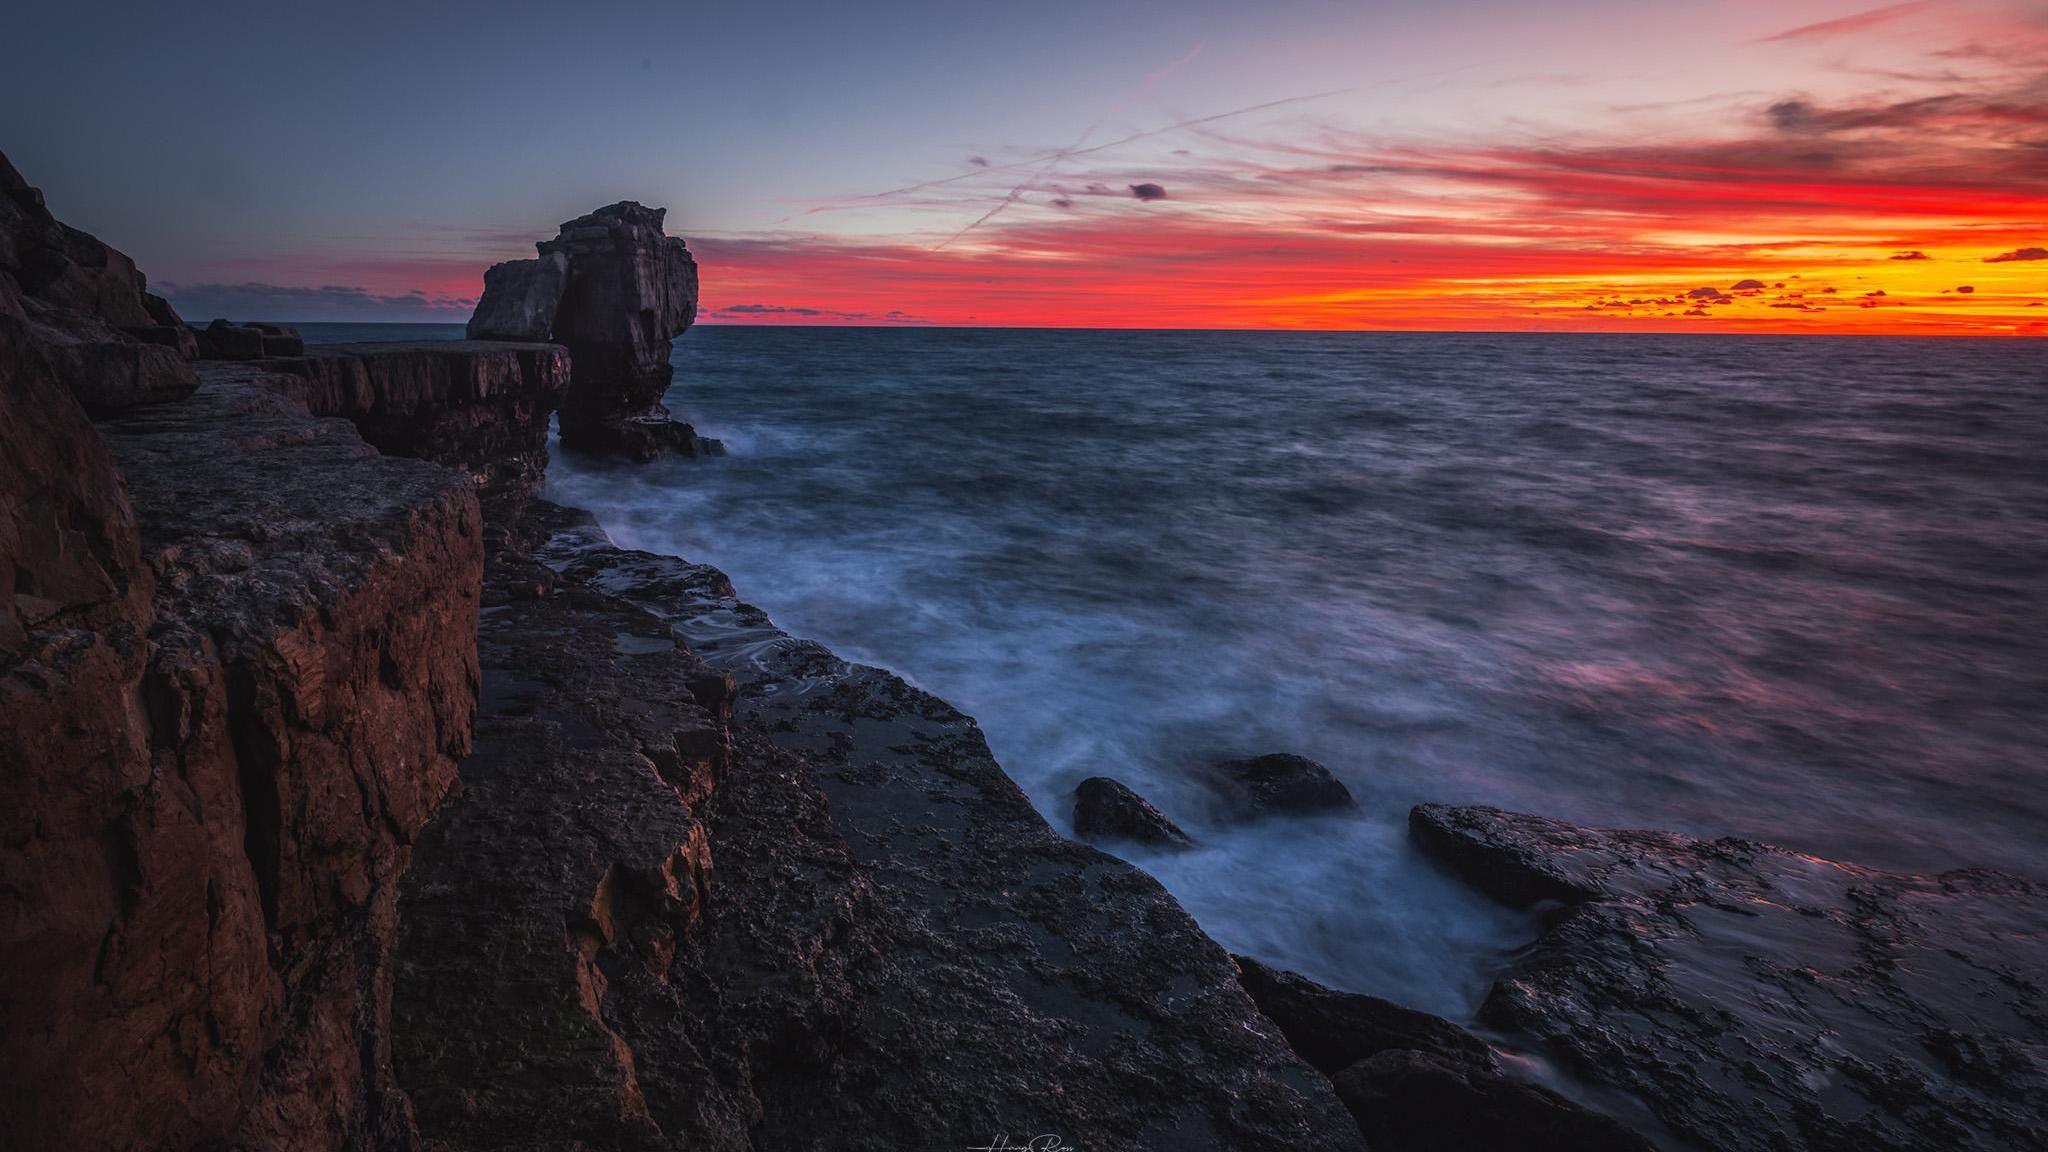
{"points": [[355, 797]]}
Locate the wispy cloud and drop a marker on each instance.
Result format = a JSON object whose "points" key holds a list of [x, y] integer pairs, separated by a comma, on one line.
{"points": [[1848, 25]]}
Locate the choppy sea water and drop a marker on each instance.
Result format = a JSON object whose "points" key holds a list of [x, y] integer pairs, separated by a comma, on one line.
{"points": [[1784, 588]]}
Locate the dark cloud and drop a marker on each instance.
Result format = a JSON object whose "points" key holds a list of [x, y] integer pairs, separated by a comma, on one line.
{"points": [[1879, 292], [2018, 254], [1062, 202], [331, 303], [1707, 293], [1966, 289], [1747, 286], [894, 316], [978, 161], [1148, 192], [1915, 254]]}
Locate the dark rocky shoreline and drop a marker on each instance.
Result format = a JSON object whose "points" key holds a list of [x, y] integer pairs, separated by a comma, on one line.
{"points": [[356, 797]]}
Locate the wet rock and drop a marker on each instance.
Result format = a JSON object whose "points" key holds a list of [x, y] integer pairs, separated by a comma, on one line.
{"points": [[627, 291], [1757, 998], [218, 787], [520, 299], [1106, 810], [1276, 784], [1418, 1082], [890, 948]]}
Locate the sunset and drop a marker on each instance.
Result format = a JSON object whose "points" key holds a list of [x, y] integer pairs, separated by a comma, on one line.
{"points": [[1199, 576]]}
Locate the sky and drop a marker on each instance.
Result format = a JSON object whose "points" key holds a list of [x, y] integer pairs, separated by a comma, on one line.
{"points": [[1585, 165]]}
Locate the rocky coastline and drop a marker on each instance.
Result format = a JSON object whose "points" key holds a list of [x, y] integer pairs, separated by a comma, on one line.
{"points": [[356, 796]]}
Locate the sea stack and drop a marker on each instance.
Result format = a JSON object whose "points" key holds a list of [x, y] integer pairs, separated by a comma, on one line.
{"points": [[616, 291]]}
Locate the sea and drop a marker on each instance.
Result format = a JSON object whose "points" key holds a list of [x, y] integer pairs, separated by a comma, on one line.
{"points": [[1792, 589]]}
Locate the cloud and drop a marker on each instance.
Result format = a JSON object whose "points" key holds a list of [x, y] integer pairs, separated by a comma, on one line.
{"points": [[1847, 25], [1707, 293], [978, 161], [254, 300], [1747, 286], [1966, 289], [1148, 192], [802, 313], [1913, 255], [2018, 254]]}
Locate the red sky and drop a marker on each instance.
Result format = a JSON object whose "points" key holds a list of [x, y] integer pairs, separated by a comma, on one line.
{"points": [[1805, 166]]}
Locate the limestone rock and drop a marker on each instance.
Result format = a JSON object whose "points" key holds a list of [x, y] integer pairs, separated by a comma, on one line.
{"points": [[217, 790], [1797, 1002], [889, 949], [107, 369], [1106, 810], [520, 299], [482, 407], [616, 292]]}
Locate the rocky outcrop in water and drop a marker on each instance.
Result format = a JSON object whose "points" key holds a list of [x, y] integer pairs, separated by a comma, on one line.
{"points": [[114, 345], [1418, 1083], [1106, 810], [616, 291], [1757, 998], [1276, 784]]}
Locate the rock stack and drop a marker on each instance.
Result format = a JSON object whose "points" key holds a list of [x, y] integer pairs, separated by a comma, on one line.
{"points": [[616, 291]]}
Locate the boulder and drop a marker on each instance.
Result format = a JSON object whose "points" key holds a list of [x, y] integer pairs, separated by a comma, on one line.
{"points": [[520, 299], [1419, 1083], [1276, 784], [1106, 810], [223, 340], [1757, 998]]}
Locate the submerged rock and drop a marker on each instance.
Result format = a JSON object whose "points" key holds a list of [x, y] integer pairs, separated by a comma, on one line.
{"points": [[1276, 784], [1106, 810], [1760, 999]]}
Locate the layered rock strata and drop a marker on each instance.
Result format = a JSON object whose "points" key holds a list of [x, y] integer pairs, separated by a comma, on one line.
{"points": [[479, 406], [251, 693], [1756, 998]]}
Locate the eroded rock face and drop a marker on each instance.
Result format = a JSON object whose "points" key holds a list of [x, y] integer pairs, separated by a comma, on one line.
{"points": [[616, 291], [217, 786], [1106, 810], [1762, 999], [889, 947], [482, 407], [88, 303], [1419, 1083], [520, 299]]}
